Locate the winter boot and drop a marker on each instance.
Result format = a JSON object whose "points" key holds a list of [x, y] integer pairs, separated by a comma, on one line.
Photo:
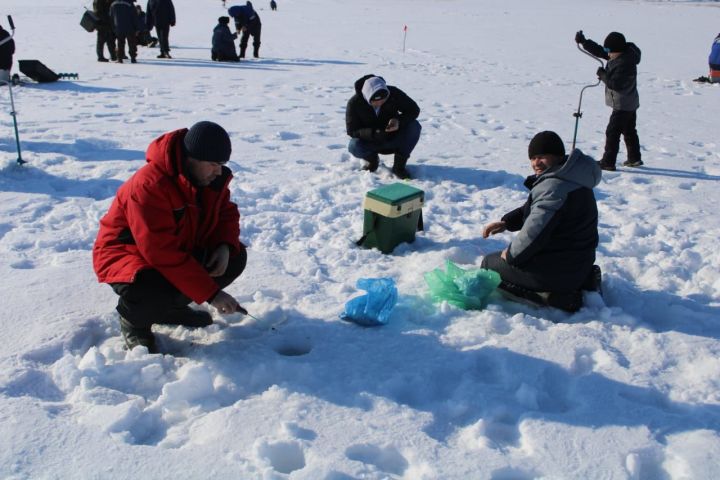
{"points": [[633, 163], [133, 60], [570, 302], [134, 336], [242, 51], [256, 51], [103, 60], [372, 163], [399, 166], [593, 282], [606, 166], [187, 317]]}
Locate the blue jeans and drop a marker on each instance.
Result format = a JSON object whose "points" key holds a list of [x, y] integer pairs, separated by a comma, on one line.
{"points": [[402, 143]]}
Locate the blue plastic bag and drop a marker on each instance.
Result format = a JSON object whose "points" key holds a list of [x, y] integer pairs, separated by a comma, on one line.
{"points": [[374, 308]]}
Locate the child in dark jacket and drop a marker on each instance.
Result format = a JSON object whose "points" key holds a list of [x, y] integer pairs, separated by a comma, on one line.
{"points": [[223, 42], [621, 94]]}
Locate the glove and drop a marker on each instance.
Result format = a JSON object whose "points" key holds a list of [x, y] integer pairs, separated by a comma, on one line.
{"points": [[579, 37], [601, 73]]}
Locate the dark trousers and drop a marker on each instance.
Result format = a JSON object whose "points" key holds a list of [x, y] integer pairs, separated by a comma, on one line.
{"points": [[105, 37], [164, 39], [402, 143], [536, 281], [150, 297], [621, 123], [255, 32], [132, 45]]}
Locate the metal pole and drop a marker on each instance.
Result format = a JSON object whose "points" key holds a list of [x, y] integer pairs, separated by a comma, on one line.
{"points": [[578, 114], [20, 161]]}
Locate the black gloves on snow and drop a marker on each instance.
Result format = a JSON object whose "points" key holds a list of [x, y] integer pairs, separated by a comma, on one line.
{"points": [[579, 37], [601, 73]]}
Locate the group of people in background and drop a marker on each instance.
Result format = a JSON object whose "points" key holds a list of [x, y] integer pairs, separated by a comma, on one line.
{"points": [[121, 22], [247, 24]]}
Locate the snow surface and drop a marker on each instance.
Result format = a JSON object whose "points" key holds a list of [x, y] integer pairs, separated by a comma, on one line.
{"points": [[626, 388]]}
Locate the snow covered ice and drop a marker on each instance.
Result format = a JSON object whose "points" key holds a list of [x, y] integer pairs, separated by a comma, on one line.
{"points": [[628, 387]]}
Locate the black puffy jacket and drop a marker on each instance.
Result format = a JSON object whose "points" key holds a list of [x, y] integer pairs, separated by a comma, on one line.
{"points": [[6, 50]]}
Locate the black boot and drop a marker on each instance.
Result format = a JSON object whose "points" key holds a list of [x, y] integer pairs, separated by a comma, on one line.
{"points": [[593, 282], [242, 51], [372, 163], [256, 52], [399, 166], [187, 317], [135, 336]]}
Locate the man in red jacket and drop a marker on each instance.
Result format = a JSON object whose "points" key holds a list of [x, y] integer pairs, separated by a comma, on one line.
{"points": [[172, 235]]}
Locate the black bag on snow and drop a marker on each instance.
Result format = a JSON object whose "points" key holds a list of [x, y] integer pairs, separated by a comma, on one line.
{"points": [[89, 21]]}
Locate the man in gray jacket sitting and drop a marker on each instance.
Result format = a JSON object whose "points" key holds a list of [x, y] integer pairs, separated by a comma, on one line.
{"points": [[552, 257]]}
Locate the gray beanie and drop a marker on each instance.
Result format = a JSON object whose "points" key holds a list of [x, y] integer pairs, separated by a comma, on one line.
{"points": [[209, 142]]}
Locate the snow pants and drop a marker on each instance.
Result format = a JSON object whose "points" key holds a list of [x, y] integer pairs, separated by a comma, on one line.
{"points": [[402, 143], [255, 31], [105, 36], [164, 38], [621, 123], [147, 300], [537, 281], [131, 40]]}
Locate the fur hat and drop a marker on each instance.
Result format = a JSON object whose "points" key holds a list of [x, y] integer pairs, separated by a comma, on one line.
{"points": [[209, 142], [546, 143], [615, 42]]}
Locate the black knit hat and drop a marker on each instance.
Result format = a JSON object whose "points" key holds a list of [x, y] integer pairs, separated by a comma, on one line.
{"points": [[225, 20], [615, 42], [546, 143], [209, 142]]}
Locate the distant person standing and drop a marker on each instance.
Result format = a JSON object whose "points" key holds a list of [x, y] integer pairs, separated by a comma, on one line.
{"points": [[125, 25], [621, 94], [248, 22], [273, 5], [223, 42], [714, 61], [161, 15], [7, 49], [105, 35]]}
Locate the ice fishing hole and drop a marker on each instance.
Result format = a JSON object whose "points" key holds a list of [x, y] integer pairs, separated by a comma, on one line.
{"points": [[293, 348]]}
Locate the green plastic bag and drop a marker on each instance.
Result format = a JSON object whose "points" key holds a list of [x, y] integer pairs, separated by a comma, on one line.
{"points": [[466, 289]]}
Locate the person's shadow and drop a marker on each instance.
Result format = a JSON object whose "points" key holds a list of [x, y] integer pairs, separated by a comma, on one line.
{"points": [[29, 179]]}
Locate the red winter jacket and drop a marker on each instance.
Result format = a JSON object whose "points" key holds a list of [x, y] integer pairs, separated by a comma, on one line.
{"points": [[158, 218]]}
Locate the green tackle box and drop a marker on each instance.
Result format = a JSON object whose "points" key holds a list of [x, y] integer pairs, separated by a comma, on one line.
{"points": [[393, 214]]}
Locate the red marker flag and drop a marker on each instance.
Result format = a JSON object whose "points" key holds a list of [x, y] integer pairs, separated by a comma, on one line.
{"points": [[404, 36]]}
